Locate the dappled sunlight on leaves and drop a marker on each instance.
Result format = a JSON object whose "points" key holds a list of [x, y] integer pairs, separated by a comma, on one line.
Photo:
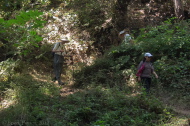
{"points": [[9, 100]]}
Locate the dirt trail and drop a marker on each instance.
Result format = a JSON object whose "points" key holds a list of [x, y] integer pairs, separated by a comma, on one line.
{"points": [[178, 107], [180, 110], [67, 90], [167, 100]]}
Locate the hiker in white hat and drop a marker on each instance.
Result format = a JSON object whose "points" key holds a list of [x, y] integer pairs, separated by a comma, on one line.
{"points": [[125, 36], [145, 70], [58, 59]]}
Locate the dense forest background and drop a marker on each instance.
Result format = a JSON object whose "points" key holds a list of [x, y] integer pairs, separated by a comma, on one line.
{"points": [[101, 87]]}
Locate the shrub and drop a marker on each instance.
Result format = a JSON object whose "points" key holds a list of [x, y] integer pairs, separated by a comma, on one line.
{"points": [[110, 107], [24, 28]]}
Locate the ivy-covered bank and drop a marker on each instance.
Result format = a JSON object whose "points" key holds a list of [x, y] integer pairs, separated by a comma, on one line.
{"points": [[169, 43], [104, 93]]}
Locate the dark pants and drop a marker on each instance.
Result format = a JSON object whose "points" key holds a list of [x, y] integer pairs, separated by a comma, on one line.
{"points": [[146, 82], [58, 66]]}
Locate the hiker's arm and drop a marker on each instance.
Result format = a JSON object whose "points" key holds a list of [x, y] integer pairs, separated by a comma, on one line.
{"points": [[68, 55], [139, 78], [56, 47], [139, 65], [57, 50], [155, 74]]}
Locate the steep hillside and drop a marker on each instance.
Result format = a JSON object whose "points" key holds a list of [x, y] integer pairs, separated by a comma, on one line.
{"points": [[101, 87]]}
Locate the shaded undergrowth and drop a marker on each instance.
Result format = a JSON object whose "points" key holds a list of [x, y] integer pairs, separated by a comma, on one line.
{"points": [[31, 102], [108, 92]]}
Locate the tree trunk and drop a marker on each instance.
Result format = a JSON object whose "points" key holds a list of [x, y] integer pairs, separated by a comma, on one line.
{"points": [[179, 11], [119, 14]]}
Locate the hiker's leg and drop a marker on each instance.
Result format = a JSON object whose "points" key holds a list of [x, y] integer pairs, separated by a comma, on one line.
{"points": [[53, 68], [60, 67], [143, 79], [146, 83], [56, 66]]}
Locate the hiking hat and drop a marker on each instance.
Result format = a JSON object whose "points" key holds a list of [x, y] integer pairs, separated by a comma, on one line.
{"points": [[121, 32], [148, 55], [65, 40]]}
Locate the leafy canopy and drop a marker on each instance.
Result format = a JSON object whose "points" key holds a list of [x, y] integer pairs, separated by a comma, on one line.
{"points": [[21, 34]]}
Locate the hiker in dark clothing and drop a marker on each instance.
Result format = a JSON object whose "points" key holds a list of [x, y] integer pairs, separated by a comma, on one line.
{"points": [[145, 70], [59, 50]]}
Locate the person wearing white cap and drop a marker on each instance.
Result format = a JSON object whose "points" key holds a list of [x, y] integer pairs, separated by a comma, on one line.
{"points": [[124, 36], [58, 60], [145, 70]]}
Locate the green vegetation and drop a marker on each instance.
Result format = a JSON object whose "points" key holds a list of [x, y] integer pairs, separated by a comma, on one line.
{"points": [[104, 93], [109, 94], [170, 45], [33, 103], [24, 28]]}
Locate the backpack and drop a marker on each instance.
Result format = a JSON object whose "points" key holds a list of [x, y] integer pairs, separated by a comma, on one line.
{"points": [[140, 70]]}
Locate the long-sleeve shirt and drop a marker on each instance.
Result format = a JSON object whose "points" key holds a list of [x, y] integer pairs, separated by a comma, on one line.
{"points": [[148, 70], [127, 38], [59, 47]]}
